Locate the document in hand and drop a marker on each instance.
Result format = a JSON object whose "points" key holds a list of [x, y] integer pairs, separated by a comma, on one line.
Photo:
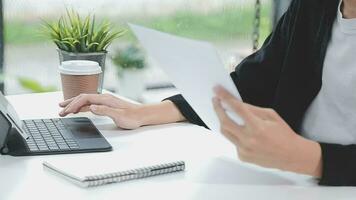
{"points": [[194, 68]]}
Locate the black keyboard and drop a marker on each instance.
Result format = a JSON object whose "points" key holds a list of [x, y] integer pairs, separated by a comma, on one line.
{"points": [[49, 135]]}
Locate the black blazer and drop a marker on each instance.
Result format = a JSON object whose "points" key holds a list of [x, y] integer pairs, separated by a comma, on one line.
{"points": [[286, 75]]}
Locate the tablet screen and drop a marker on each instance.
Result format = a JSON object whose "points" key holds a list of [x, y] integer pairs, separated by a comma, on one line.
{"points": [[11, 115]]}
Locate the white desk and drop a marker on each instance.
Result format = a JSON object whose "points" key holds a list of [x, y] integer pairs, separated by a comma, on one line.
{"points": [[213, 172]]}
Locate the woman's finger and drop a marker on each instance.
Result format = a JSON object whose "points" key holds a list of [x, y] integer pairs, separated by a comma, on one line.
{"points": [[66, 102], [84, 100], [233, 135], [69, 108], [263, 113], [236, 105], [227, 125], [103, 111], [76, 104], [220, 111]]}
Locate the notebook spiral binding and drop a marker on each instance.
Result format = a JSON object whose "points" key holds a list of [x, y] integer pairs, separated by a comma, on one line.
{"points": [[134, 174]]}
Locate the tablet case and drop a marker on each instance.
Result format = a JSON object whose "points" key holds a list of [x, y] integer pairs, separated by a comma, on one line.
{"points": [[11, 142]]}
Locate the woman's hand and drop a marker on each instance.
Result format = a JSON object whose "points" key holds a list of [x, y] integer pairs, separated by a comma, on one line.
{"points": [[125, 114], [266, 139]]}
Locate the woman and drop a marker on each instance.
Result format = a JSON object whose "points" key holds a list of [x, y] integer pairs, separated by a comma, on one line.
{"points": [[298, 88]]}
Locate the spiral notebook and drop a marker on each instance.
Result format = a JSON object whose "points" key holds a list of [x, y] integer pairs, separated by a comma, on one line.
{"points": [[90, 174]]}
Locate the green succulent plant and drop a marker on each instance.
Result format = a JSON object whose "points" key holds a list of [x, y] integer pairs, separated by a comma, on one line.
{"points": [[130, 57], [73, 33]]}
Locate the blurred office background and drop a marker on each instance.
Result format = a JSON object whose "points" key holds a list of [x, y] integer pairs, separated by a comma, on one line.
{"points": [[31, 58]]}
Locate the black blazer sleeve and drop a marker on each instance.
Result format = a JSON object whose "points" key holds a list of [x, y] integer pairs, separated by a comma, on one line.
{"points": [[186, 110], [339, 164]]}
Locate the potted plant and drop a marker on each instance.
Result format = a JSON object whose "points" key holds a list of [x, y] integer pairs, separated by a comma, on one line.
{"points": [[80, 38], [130, 62]]}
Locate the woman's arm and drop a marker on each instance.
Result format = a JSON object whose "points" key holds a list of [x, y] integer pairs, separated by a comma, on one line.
{"points": [[125, 114], [161, 113]]}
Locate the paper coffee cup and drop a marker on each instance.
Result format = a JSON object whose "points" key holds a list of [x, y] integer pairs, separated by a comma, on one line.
{"points": [[79, 77]]}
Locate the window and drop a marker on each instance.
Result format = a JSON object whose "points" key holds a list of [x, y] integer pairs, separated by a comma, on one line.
{"points": [[30, 57]]}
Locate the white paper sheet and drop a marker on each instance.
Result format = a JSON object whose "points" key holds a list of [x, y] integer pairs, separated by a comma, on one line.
{"points": [[194, 67]]}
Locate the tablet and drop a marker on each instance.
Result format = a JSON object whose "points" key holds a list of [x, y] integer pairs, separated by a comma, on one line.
{"points": [[193, 66], [10, 113]]}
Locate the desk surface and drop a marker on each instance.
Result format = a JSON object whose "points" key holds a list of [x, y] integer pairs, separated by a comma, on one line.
{"points": [[213, 171]]}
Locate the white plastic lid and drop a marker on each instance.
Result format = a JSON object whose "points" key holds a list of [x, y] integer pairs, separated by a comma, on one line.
{"points": [[80, 67]]}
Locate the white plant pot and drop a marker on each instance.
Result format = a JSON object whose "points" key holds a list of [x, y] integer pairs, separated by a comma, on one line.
{"points": [[131, 84]]}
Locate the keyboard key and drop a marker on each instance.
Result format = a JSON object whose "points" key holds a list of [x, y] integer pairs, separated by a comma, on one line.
{"points": [[34, 149], [74, 147], [52, 144], [59, 140], [41, 143], [71, 143], [34, 132], [54, 132], [66, 134], [63, 147], [61, 143], [70, 140], [43, 148], [30, 140], [32, 146], [54, 148]]}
